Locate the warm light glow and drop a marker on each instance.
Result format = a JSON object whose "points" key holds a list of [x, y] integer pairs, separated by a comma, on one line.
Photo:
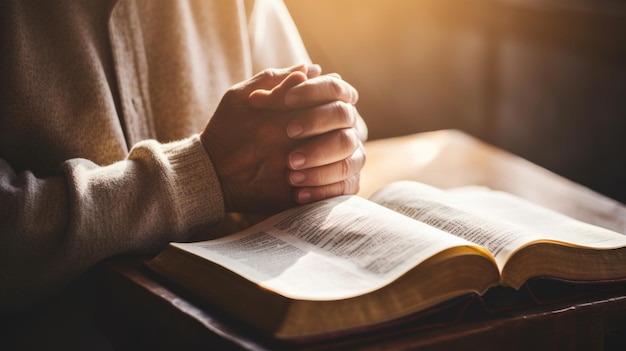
{"points": [[422, 152], [399, 159]]}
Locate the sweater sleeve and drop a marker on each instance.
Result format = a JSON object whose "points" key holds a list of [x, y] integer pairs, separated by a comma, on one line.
{"points": [[53, 229]]}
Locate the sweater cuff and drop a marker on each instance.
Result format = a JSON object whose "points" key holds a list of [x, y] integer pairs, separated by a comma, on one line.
{"points": [[198, 192]]}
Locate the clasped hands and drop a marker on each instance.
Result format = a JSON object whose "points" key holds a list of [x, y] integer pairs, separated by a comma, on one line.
{"points": [[285, 137]]}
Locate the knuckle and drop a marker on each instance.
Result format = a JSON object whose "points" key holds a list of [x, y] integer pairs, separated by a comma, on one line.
{"points": [[360, 155], [353, 185], [231, 93], [335, 189], [363, 159], [269, 73], [327, 191], [344, 112], [232, 97], [350, 168], [354, 95], [347, 186], [348, 139], [336, 87], [346, 168], [339, 189], [343, 90]]}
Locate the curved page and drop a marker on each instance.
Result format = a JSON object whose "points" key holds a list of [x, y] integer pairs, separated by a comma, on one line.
{"points": [[334, 249]]}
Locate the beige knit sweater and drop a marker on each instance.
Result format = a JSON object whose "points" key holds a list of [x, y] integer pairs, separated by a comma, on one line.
{"points": [[100, 103]]}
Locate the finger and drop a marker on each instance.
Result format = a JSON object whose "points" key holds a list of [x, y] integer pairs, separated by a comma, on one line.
{"points": [[329, 174], [349, 186], [324, 149], [275, 97], [271, 77], [322, 119], [320, 90], [361, 126], [313, 70]]}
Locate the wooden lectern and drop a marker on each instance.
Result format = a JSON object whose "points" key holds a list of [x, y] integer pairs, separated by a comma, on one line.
{"points": [[142, 311]]}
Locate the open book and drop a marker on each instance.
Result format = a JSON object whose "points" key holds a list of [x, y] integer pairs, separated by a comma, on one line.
{"points": [[349, 262]]}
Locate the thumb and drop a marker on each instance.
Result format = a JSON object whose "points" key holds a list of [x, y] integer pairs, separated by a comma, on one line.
{"points": [[271, 77], [274, 98]]}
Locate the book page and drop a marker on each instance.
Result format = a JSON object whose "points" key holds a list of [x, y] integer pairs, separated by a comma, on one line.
{"points": [[334, 249], [500, 222]]}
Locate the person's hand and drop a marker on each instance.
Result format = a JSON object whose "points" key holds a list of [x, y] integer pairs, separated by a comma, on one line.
{"points": [[249, 147], [328, 159]]}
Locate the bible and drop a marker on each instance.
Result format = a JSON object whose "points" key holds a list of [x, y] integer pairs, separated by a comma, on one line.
{"points": [[348, 262]]}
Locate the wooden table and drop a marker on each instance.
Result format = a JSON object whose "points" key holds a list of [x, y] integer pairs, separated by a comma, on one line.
{"points": [[141, 311]]}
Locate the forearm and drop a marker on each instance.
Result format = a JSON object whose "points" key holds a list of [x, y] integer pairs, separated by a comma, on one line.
{"points": [[53, 229]]}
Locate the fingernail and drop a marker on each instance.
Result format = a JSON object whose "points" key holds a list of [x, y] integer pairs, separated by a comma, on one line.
{"points": [[294, 130], [292, 99], [297, 160], [304, 196], [297, 177]]}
